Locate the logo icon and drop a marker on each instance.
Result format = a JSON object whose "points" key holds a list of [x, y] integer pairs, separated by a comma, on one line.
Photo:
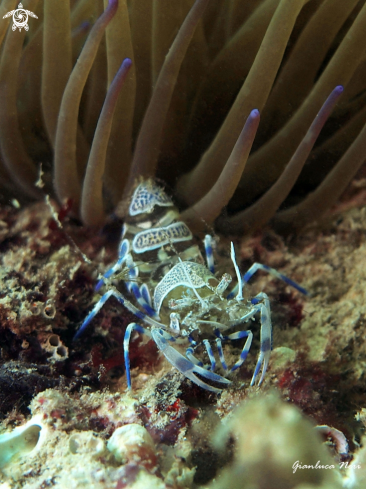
{"points": [[20, 17]]}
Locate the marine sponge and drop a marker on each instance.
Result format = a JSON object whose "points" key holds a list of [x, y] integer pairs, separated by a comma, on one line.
{"points": [[132, 443]]}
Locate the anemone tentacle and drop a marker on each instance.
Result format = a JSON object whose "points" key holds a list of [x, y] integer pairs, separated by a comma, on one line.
{"points": [[198, 70]]}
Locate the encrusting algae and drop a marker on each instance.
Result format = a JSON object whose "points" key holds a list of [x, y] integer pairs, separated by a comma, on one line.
{"points": [[97, 95], [315, 364]]}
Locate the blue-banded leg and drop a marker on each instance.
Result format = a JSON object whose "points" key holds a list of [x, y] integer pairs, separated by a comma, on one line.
{"points": [[122, 300], [126, 346], [243, 355], [192, 358], [221, 353], [265, 338], [136, 290], [210, 354], [122, 254], [258, 266], [145, 293]]}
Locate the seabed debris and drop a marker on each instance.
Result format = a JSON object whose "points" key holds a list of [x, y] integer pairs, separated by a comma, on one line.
{"points": [[92, 431]]}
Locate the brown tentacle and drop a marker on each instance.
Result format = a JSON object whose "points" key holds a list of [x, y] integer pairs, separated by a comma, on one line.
{"points": [[66, 178]]}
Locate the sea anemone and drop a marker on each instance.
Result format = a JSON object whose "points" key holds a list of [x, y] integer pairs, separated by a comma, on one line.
{"points": [[93, 100]]}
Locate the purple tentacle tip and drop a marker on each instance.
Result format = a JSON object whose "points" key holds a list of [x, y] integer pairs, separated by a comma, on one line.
{"points": [[113, 4], [127, 62], [331, 100], [254, 113], [85, 25]]}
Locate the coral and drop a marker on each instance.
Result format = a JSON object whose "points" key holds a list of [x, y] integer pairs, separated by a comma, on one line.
{"points": [[21, 441], [52, 344], [271, 437], [316, 364], [46, 287], [356, 476], [70, 451], [273, 446], [132, 443]]}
